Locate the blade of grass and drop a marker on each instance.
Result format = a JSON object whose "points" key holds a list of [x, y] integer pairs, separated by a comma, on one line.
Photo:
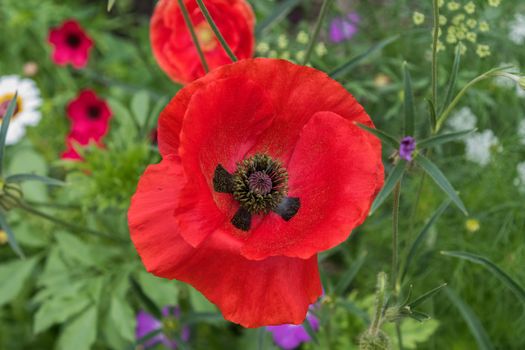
{"points": [[6, 119], [194, 38], [433, 115], [424, 297], [315, 36], [440, 179], [350, 274], [383, 136], [452, 79], [443, 138], [216, 30], [11, 237], [473, 323], [280, 11], [33, 177], [493, 268], [391, 181], [435, 40], [146, 302], [409, 102]]}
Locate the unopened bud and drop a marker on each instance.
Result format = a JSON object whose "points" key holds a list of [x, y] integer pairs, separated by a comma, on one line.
{"points": [[371, 341]]}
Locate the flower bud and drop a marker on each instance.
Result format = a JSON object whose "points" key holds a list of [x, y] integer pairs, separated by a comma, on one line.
{"points": [[371, 341], [10, 195]]}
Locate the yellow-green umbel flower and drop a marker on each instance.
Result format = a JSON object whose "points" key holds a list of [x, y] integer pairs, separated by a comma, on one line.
{"points": [[484, 26], [418, 18], [302, 37], [494, 3], [453, 6], [470, 8], [483, 51]]}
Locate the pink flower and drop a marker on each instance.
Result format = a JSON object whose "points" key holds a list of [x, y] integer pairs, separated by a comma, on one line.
{"points": [[90, 116], [71, 44]]}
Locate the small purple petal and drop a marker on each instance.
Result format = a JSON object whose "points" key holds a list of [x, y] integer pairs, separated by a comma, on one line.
{"points": [[288, 336], [146, 324], [407, 148], [344, 28]]}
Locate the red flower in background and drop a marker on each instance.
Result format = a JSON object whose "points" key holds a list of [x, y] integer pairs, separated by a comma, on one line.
{"points": [[172, 44], [263, 167], [70, 44], [90, 117]]}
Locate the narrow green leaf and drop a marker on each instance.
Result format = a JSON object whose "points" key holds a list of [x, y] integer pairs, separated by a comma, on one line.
{"points": [[433, 114], [146, 302], [202, 317], [352, 63], [433, 171], [350, 274], [280, 12], [494, 269], [443, 138], [191, 29], [144, 339], [140, 105], [410, 111], [473, 323], [422, 235], [111, 3], [308, 328], [452, 79], [424, 297], [122, 315], [33, 177], [57, 310], [11, 237], [383, 136], [317, 29], [391, 181], [6, 119]]}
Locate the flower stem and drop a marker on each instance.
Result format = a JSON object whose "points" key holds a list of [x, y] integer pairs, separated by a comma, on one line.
{"points": [[216, 30], [320, 19], [395, 238], [71, 226], [380, 303], [189, 25], [434, 52]]}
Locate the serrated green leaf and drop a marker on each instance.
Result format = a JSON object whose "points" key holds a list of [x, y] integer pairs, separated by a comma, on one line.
{"points": [[424, 297], [81, 332], [58, 310], [123, 316], [16, 273], [443, 138], [33, 177], [160, 290], [280, 12], [440, 179], [11, 239], [493, 268], [473, 323], [349, 275], [410, 110], [383, 136], [421, 236], [140, 105], [6, 119], [452, 79], [395, 175], [354, 62], [75, 249]]}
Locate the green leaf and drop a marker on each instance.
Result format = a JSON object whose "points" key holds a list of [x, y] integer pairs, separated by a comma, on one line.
{"points": [[410, 111], [395, 175], [111, 3], [280, 12], [11, 239], [354, 62], [58, 310], [432, 113], [493, 268], [415, 332], [439, 178], [6, 119], [14, 275], [75, 249], [33, 177], [424, 297], [140, 105], [422, 235], [138, 344], [123, 317], [202, 317], [452, 79], [308, 328], [28, 161], [81, 332], [383, 136], [473, 323], [146, 302], [347, 278], [355, 310], [443, 138]]}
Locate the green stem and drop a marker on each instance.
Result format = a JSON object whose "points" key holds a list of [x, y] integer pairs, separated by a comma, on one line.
{"points": [[399, 335], [434, 52], [395, 237], [187, 19], [216, 30], [320, 19], [71, 226], [380, 303]]}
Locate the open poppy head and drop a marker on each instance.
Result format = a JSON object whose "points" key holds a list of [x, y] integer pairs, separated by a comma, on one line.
{"points": [[263, 167], [172, 44]]}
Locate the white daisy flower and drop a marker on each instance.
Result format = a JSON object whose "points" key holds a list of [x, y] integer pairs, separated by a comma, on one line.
{"points": [[517, 29], [463, 119], [480, 145], [27, 108], [520, 180]]}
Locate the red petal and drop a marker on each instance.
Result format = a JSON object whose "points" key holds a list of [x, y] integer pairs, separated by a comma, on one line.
{"points": [[252, 293], [336, 173], [223, 121]]}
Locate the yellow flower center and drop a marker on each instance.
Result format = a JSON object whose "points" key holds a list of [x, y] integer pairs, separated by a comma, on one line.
{"points": [[4, 105], [206, 37]]}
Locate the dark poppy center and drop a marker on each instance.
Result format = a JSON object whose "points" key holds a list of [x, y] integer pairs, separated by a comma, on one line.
{"points": [[73, 40], [94, 112], [4, 107], [260, 185]]}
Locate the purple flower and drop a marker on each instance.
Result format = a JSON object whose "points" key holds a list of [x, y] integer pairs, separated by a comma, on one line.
{"points": [[146, 324], [344, 28], [407, 148], [289, 336]]}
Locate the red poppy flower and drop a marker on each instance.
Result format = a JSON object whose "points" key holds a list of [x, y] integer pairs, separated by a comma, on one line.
{"points": [[71, 44], [90, 117], [263, 167], [172, 44]]}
